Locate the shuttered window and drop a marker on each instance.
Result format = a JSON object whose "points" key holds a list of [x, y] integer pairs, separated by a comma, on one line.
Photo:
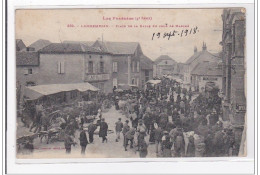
{"points": [[90, 67], [115, 66], [101, 67], [61, 67], [137, 66]]}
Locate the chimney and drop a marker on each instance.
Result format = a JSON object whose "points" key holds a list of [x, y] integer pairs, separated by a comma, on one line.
{"points": [[195, 49], [204, 46]]}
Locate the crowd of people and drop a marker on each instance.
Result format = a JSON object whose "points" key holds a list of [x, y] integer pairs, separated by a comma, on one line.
{"points": [[177, 121]]}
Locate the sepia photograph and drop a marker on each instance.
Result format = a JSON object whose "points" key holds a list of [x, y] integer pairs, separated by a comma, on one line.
{"points": [[131, 83]]}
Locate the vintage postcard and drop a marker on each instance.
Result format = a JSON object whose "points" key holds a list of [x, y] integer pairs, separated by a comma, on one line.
{"points": [[130, 83]]}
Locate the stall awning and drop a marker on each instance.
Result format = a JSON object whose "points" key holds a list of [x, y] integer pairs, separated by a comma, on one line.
{"points": [[154, 81], [34, 92]]}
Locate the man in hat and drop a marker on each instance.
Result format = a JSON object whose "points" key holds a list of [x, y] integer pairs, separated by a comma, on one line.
{"points": [[126, 128], [141, 129], [158, 134], [68, 141], [129, 136], [103, 130], [83, 140], [91, 129], [143, 147], [119, 127], [166, 145]]}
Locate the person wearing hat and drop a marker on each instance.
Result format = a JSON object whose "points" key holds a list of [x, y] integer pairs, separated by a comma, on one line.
{"points": [[126, 128], [118, 128], [68, 141], [129, 136], [142, 147], [141, 130], [166, 145], [158, 134], [103, 130], [83, 140], [91, 129]]}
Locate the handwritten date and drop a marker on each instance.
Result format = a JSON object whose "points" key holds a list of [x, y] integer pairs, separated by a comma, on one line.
{"points": [[181, 33]]}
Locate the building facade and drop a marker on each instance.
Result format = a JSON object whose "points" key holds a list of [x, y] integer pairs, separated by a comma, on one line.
{"points": [[103, 65], [62, 63], [233, 43], [129, 65], [165, 65], [206, 72], [27, 68], [194, 60]]}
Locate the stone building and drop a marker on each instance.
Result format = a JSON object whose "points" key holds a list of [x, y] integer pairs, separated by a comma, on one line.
{"points": [[206, 72], [75, 63], [27, 68], [130, 66], [233, 43], [165, 65], [102, 64], [194, 60]]}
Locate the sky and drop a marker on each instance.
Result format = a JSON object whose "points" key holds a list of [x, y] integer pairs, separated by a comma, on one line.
{"points": [[52, 25]]}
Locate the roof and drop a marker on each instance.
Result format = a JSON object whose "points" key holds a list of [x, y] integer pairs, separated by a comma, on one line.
{"points": [[18, 40], [207, 68], [88, 43], [34, 92], [19, 44], [27, 59], [117, 48], [68, 48], [39, 44], [163, 57], [202, 54], [145, 62]]}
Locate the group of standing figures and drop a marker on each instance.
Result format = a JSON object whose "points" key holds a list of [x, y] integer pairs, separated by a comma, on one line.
{"points": [[180, 123]]}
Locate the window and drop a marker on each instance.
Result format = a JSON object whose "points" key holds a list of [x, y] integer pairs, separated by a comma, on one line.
{"points": [[89, 56], [137, 82], [133, 66], [30, 83], [166, 62], [137, 66], [61, 67], [146, 73], [27, 71], [101, 68], [114, 82], [115, 67], [90, 67], [133, 81], [101, 56]]}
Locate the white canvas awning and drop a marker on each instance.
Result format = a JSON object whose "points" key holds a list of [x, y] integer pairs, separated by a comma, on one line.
{"points": [[34, 92], [154, 81]]}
